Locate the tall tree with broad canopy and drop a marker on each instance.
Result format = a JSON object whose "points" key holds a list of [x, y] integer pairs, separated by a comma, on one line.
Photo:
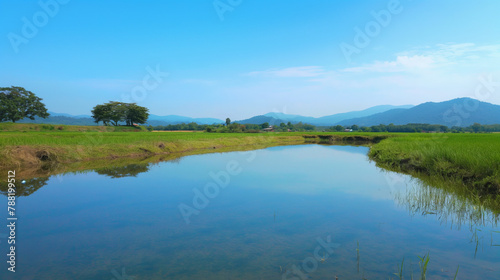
{"points": [[16, 103], [136, 114], [114, 112]]}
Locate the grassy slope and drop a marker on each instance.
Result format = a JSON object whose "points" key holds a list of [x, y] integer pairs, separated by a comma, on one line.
{"points": [[473, 159], [29, 127], [74, 143]]}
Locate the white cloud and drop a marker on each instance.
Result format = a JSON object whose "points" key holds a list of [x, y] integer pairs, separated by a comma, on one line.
{"points": [[401, 64], [454, 54], [437, 73], [440, 56]]}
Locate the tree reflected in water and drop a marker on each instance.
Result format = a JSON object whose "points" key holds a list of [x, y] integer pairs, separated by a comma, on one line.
{"points": [[30, 186], [123, 171], [25, 189]]}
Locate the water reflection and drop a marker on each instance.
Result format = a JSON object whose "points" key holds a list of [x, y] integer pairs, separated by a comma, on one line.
{"points": [[27, 188], [123, 171], [267, 221], [421, 199]]}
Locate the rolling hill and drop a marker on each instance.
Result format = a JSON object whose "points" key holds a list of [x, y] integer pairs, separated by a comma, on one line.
{"points": [[263, 119], [154, 120], [277, 118], [456, 112], [174, 119]]}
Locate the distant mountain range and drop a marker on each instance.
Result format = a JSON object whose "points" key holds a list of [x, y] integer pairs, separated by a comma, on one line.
{"points": [[277, 118], [53, 114], [456, 112], [154, 120], [174, 119]]}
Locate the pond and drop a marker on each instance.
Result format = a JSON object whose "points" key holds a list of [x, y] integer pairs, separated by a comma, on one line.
{"points": [[291, 212]]}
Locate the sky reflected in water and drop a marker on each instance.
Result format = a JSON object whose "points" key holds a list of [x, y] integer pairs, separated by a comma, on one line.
{"points": [[267, 223]]}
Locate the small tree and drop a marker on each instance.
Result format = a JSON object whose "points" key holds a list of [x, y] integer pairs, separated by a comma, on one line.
{"points": [[228, 121], [339, 128], [476, 127], [16, 103]]}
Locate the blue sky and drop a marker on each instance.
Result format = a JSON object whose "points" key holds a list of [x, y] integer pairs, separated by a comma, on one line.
{"points": [[240, 58]]}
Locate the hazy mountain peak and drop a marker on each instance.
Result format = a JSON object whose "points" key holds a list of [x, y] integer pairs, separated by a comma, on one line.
{"points": [[463, 111]]}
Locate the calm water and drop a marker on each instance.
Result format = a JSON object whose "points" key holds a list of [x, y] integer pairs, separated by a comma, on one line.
{"points": [[294, 212]]}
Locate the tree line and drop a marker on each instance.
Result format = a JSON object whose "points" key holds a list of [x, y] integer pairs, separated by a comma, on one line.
{"points": [[229, 127], [416, 127], [301, 127], [17, 103]]}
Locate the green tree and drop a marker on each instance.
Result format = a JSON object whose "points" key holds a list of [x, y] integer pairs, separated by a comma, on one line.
{"points": [[264, 125], [102, 113], [339, 128], [118, 112], [228, 121], [136, 114], [16, 103], [115, 112], [476, 127]]}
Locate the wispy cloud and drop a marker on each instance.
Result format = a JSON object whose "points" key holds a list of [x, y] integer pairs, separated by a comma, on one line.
{"points": [[426, 58], [437, 73], [453, 54], [401, 64], [421, 59], [291, 72]]}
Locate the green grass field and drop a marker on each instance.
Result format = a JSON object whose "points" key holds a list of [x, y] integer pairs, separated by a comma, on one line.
{"points": [[472, 159], [467, 157], [36, 145]]}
